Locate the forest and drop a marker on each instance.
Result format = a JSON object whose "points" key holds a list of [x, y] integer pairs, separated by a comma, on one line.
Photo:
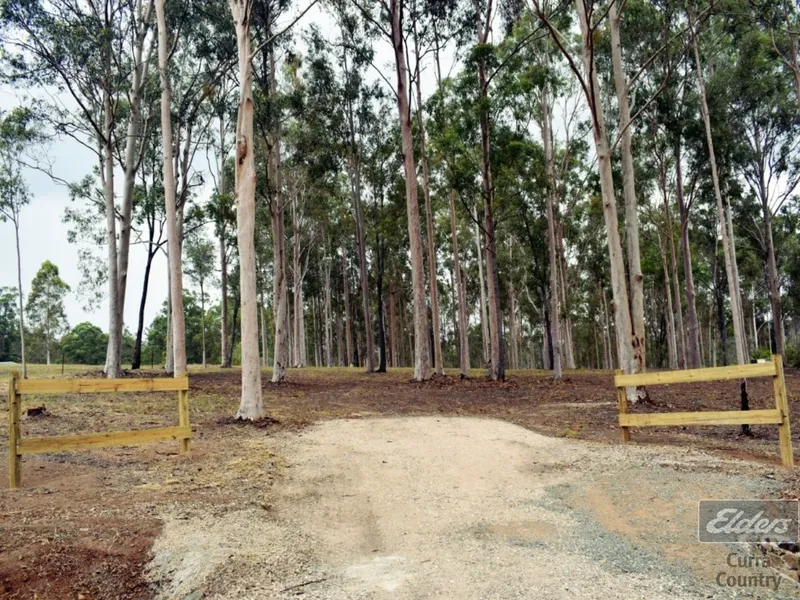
{"points": [[500, 184]]}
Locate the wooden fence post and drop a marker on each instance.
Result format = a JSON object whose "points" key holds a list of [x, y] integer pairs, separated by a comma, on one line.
{"points": [[183, 416], [782, 404], [622, 401], [13, 432]]}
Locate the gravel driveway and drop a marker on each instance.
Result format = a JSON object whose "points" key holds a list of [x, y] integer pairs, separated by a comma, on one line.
{"points": [[464, 508]]}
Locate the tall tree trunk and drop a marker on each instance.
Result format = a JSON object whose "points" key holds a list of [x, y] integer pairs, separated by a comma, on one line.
{"points": [[638, 337], [680, 333], [669, 315], [463, 318], [135, 145], [340, 343], [569, 340], [297, 287], [354, 173], [432, 271], [496, 345], [393, 327], [328, 317], [136, 363], [547, 340], [262, 319], [726, 246], [113, 368], [314, 314], [422, 368], [252, 404], [347, 313], [773, 281], [234, 325], [280, 286], [173, 232], [223, 253], [693, 335], [628, 360], [737, 285], [484, 316], [551, 230], [169, 366], [512, 327], [19, 295], [381, 324], [203, 316], [369, 350]]}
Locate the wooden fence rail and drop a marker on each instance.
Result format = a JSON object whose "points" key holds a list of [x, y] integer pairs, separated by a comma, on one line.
{"points": [[778, 416], [17, 446]]}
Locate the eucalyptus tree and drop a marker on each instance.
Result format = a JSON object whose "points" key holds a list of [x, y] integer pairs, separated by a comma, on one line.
{"points": [[725, 228], [45, 306], [149, 228], [14, 195], [587, 76], [352, 50], [97, 56], [394, 18], [251, 406], [174, 254], [764, 115], [200, 270], [636, 279], [18, 137], [425, 38]]}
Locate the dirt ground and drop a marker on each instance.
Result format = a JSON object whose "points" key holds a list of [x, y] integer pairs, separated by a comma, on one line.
{"points": [[85, 523]]}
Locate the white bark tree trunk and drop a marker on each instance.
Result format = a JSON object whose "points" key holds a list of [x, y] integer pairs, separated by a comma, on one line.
{"points": [[173, 231], [484, 317], [280, 286], [203, 323], [19, 295], [113, 368], [619, 289], [422, 368], [669, 315], [223, 252], [251, 406], [348, 332], [726, 246], [433, 277], [638, 337], [551, 231], [463, 318], [297, 286], [328, 315], [496, 342]]}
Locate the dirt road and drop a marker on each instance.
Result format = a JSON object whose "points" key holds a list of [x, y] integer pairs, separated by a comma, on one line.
{"points": [[463, 508]]}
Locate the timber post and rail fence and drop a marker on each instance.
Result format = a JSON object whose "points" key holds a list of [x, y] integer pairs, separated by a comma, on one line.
{"points": [[774, 416], [19, 446]]}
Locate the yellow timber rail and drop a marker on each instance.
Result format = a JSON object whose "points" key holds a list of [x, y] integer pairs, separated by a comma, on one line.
{"points": [[775, 416], [18, 446]]}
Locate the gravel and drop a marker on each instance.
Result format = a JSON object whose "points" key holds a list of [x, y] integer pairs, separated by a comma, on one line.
{"points": [[463, 508]]}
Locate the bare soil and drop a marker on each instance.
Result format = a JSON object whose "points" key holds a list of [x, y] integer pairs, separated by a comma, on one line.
{"points": [[84, 523]]}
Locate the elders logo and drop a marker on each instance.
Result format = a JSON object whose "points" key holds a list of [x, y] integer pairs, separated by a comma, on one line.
{"points": [[748, 521]]}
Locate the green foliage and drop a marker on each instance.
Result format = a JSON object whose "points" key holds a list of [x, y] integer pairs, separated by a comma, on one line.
{"points": [[45, 307], [157, 334], [9, 325], [761, 353], [793, 356], [85, 344]]}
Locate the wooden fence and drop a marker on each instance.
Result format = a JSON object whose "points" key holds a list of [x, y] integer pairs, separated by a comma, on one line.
{"points": [[775, 416], [18, 446]]}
